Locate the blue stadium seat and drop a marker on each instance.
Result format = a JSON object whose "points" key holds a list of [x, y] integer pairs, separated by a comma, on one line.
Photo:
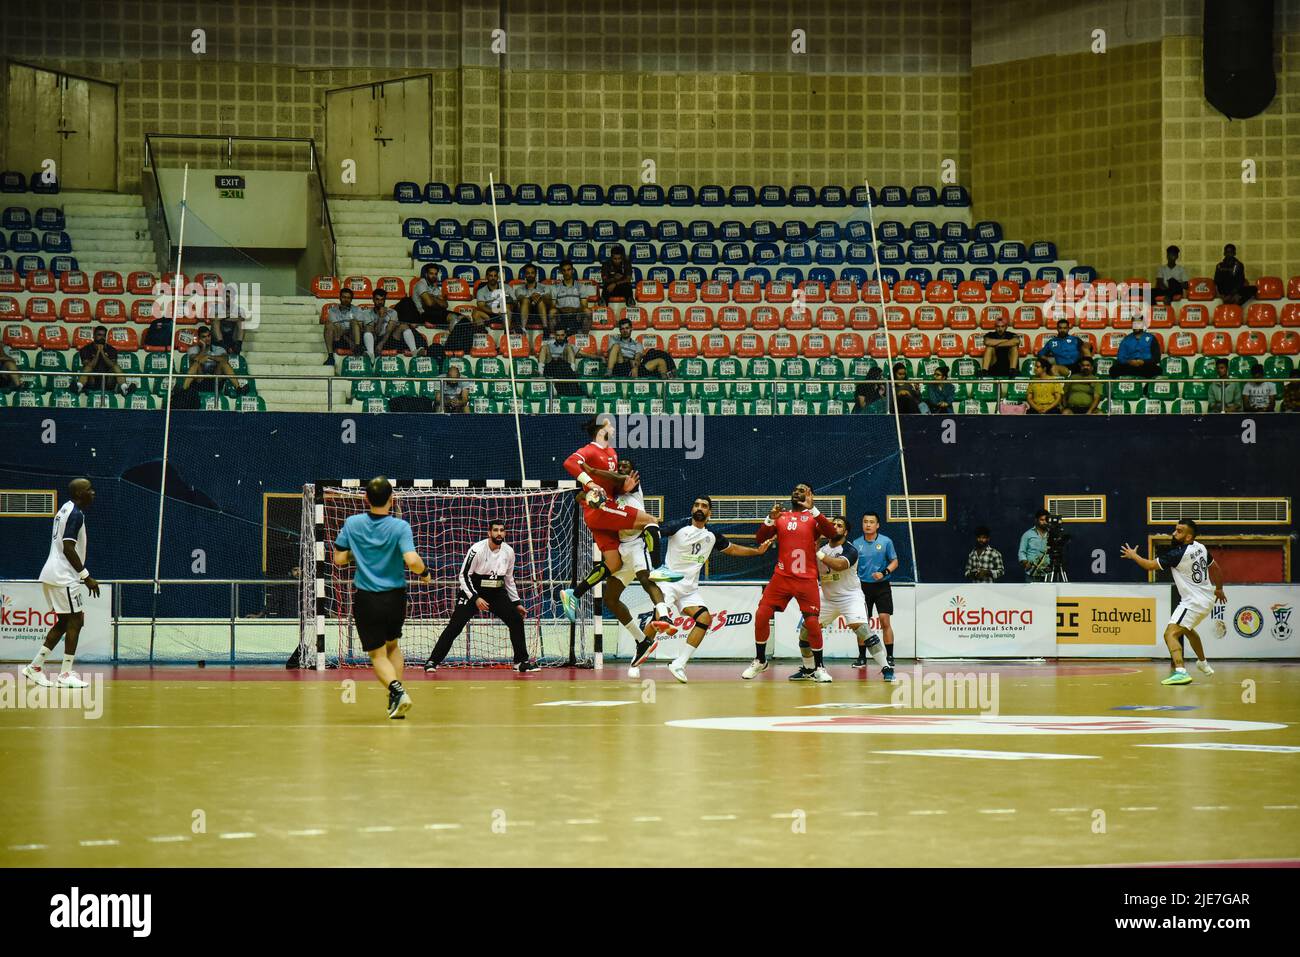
{"points": [[987, 232], [832, 196], [437, 193], [924, 196], [795, 254], [485, 253], [606, 231], [681, 195], [920, 253], [670, 231], [661, 274], [1017, 274], [891, 231], [479, 229], [407, 193], [581, 254], [803, 196], [543, 230], [49, 217], [6, 262], [728, 274], [12, 181], [692, 274], [602, 251], [711, 196], [758, 274], [951, 253], [641, 254], [650, 194], [923, 231], [673, 253], [763, 231], [620, 195], [519, 252], [857, 231], [862, 195], [528, 194], [17, 217], [468, 273], [919, 275], [36, 183], [955, 231], [794, 230], [828, 254], [732, 231], [589, 194], [61, 264], [28, 264], [415, 228], [502, 192], [704, 254], [456, 251], [469, 194], [637, 230], [952, 275], [741, 196], [955, 196], [701, 230], [852, 273], [1083, 274], [1042, 252], [980, 253], [447, 228], [1050, 273], [425, 251], [827, 231], [735, 254], [550, 253], [891, 254], [859, 254], [575, 230], [24, 241], [1011, 253], [771, 196], [889, 274], [559, 194], [4, 246], [984, 276], [591, 274], [893, 196], [56, 242], [791, 274]]}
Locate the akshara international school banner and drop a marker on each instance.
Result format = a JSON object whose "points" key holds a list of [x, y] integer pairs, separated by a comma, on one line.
{"points": [[25, 619], [986, 621], [1111, 621]]}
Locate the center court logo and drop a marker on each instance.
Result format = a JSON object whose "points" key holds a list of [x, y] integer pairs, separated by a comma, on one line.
{"points": [[958, 614]]}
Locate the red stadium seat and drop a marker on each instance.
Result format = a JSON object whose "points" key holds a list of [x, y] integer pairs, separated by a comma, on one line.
{"points": [[1227, 316], [962, 317], [10, 311], [698, 318], [815, 345], [872, 291], [939, 290], [639, 318], [1096, 315], [733, 318], [763, 318], [53, 337], [1110, 343], [110, 311], [584, 342], [83, 336], [361, 287], [1285, 342], [779, 293], [454, 290], [928, 317], [140, 283], [782, 345], [1193, 316], [1201, 289], [849, 345], [990, 315], [748, 345], [1055, 310], [1268, 288], [125, 339], [1291, 314], [1091, 340], [109, 283], [171, 279], [813, 291], [10, 281], [74, 282], [898, 318], [484, 347], [681, 291], [1039, 341], [831, 318], [683, 346], [41, 309], [649, 290], [1293, 288], [844, 291], [666, 319], [1162, 317], [1038, 291], [1004, 291], [715, 291], [916, 345], [971, 292], [19, 337], [905, 290], [798, 317], [41, 280], [864, 318], [75, 309], [715, 345], [882, 347], [1027, 317], [519, 346], [145, 311], [324, 312], [975, 345], [1216, 343], [1252, 342], [747, 291], [651, 340], [181, 342], [393, 285], [1261, 315], [949, 345]]}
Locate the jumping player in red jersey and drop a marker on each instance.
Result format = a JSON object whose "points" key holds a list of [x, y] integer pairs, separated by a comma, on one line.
{"points": [[595, 466], [797, 530]]}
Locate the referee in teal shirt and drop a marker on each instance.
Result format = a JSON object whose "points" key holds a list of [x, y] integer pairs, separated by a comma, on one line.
{"points": [[382, 548], [877, 560]]}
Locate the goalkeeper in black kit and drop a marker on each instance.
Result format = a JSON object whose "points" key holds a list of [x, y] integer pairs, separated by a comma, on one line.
{"points": [[486, 582]]}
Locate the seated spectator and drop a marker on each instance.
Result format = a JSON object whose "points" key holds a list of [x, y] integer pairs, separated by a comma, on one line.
{"points": [[455, 392], [616, 278], [625, 353], [98, 356], [386, 330], [1259, 394], [940, 394], [570, 296], [1171, 278], [1139, 354], [489, 299], [1224, 391], [205, 358], [9, 378], [984, 563], [1045, 392], [426, 305], [869, 396], [1082, 391], [230, 327], [1291, 393], [1001, 351], [557, 355], [532, 299], [1064, 350], [342, 325], [905, 391], [1230, 278]]}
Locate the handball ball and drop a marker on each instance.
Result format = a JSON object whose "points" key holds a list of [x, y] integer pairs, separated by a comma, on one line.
{"points": [[594, 497]]}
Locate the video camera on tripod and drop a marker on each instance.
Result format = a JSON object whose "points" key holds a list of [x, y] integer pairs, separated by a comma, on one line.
{"points": [[1057, 538]]}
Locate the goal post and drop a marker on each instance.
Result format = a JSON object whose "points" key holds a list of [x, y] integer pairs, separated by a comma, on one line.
{"points": [[543, 524]]}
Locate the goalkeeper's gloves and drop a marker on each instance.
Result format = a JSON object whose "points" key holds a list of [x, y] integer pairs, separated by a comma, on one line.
{"points": [[425, 577]]}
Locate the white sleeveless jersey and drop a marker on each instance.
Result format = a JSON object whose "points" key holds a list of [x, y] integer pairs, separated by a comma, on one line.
{"points": [[69, 525], [1190, 566], [839, 584], [686, 551], [632, 499]]}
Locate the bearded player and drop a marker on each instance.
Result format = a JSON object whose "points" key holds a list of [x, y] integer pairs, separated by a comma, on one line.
{"points": [[837, 564], [796, 530], [595, 466]]}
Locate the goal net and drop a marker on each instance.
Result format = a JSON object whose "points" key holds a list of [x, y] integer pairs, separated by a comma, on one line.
{"points": [[543, 524]]}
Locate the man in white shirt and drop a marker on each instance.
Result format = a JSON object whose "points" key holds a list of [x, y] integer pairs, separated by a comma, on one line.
{"points": [[342, 324], [1259, 394], [62, 579], [1171, 278], [532, 298], [571, 296]]}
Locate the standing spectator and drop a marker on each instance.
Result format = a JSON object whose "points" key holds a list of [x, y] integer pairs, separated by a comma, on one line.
{"points": [[98, 356], [342, 325], [1139, 354], [1045, 392], [906, 394], [616, 278], [984, 563], [386, 330], [1064, 350], [570, 296], [1171, 278], [1001, 351], [1291, 393], [490, 300], [426, 306], [455, 393], [1259, 394], [1082, 391], [1230, 278], [940, 394], [205, 358], [625, 353], [1224, 392], [877, 561], [9, 378], [531, 296], [1033, 548]]}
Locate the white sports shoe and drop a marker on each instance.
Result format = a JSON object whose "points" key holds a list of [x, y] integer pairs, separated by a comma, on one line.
{"points": [[37, 677], [70, 679], [634, 672], [677, 670], [1204, 668], [822, 675], [755, 668]]}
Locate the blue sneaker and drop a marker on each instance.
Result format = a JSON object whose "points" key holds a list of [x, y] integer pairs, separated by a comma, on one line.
{"points": [[804, 674], [569, 602], [662, 574], [887, 673]]}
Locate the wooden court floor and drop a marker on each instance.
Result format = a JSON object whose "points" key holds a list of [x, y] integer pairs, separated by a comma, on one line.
{"points": [[267, 767]]}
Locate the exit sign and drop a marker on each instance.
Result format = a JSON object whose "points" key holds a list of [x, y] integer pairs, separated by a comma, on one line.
{"points": [[230, 186]]}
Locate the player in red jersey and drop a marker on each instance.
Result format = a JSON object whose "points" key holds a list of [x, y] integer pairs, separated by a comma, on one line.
{"points": [[797, 530], [595, 466]]}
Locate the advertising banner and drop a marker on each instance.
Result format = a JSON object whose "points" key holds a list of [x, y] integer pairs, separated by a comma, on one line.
{"points": [[985, 621], [1111, 621], [25, 618], [1259, 621]]}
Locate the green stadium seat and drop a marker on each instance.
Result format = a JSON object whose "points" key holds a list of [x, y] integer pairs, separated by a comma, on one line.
{"points": [[965, 368], [590, 367], [1103, 365], [374, 403], [1177, 367], [748, 390], [1204, 367], [763, 406], [352, 367], [1126, 391], [816, 392], [984, 390], [925, 368], [859, 370], [27, 399], [1239, 366], [695, 368], [424, 367], [141, 400], [1017, 391], [1278, 367], [1186, 406], [1143, 406], [64, 399], [1027, 367], [604, 390], [1197, 391], [675, 390], [526, 368], [829, 370], [103, 400], [238, 364], [845, 392], [212, 402], [785, 392], [388, 366], [709, 391], [976, 407], [795, 369], [537, 391], [365, 389], [643, 390], [762, 367], [1163, 389], [399, 387], [490, 368]]}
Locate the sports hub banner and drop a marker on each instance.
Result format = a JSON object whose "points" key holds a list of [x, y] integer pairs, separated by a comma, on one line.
{"points": [[1259, 621], [25, 618], [985, 621], [1111, 621]]}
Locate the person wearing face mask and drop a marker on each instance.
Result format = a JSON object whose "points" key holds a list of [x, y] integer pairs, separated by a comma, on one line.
{"points": [[1139, 354]]}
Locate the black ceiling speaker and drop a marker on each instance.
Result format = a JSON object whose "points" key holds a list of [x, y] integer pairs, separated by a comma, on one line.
{"points": [[1237, 56]]}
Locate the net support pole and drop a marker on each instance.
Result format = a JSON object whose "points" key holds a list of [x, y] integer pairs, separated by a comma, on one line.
{"points": [[167, 415], [598, 618], [573, 581], [892, 398]]}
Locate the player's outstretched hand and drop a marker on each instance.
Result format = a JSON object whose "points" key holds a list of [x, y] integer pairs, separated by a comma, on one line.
{"points": [[775, 513], [631, 480], [92, 586], [766, 545], [1219, 596], [1128, 551]]}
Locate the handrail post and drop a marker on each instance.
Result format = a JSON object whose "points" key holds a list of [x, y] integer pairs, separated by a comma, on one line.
{"points": [[234, 612]]}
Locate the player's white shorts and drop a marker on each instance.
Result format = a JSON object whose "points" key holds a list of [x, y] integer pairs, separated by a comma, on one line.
{"points": [[852, 606], [636, 558], [64, 599], [1189, 616], [682, 594]]}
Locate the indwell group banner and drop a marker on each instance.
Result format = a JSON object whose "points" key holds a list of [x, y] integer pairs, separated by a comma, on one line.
{"points": [[985, 621], [25, 618], [1111, 621]]}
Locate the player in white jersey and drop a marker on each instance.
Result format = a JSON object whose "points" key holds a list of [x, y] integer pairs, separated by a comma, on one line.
{"points": [[687, 546], [1199, 580], [837, 568], [63, 578]]}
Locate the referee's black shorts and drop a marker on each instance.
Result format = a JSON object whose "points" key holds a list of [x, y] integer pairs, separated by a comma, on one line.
{"points": [[379, 616], [880, 599]]}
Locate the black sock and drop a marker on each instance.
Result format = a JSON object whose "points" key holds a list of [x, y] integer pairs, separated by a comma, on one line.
{"points": [[862, 650], [889, 655], [594, 577], [395, 687], [760, 651], [817, 657]]}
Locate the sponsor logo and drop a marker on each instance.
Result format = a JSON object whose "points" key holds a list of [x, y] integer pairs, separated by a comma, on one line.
{"points": [[1248, 621], [1281, 622], [682, 624], [34, 619], [1082, 620], [974, 724], [961, 615]]}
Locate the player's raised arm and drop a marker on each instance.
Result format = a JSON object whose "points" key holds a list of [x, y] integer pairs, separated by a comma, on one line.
{"points": [[1147, 564], [578, 467], [768, 529], [342, 551], [1216, 579], [745, 551]]}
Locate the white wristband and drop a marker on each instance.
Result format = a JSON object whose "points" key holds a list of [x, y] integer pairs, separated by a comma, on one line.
{"points": [[84, 574], [814, 513], [584, 479], [768, 521]]}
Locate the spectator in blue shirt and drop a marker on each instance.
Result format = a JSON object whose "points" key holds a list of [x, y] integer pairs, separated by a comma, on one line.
{"points": [[1139, 354], [1064, 350], [1033, 549], [877, 560]]}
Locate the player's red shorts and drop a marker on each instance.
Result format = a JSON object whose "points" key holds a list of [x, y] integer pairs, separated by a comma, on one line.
{"points": [[782, 588], [607, 521]]}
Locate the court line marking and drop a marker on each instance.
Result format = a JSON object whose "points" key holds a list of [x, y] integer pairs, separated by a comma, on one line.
{"points": [[308, 832], [441, 827], [646, 820], [377, 829], [1211, 807], [27, 847], [717, 817], [926, 812], [1139, 809], [1281, 807], [583, 820], [99, 843], [861, 813], [169, 839], [997, 810], [1069, 810], [236, 835]]}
